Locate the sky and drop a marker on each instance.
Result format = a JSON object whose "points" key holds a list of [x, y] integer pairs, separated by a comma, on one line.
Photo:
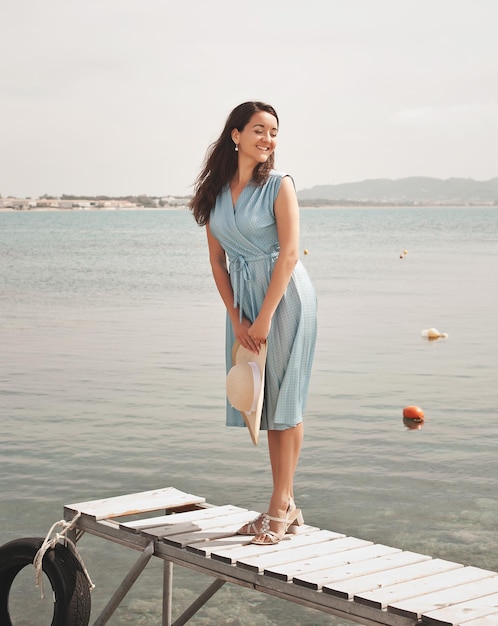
{"points": [[123, 97]]}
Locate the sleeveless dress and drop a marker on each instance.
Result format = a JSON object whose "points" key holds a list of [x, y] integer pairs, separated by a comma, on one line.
{"points": [[248, 234]]}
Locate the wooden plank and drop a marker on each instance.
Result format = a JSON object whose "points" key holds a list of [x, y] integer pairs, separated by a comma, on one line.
{"points": [[206, 548], [315, 577], [189, 524], [414, 607], [177, 518], [203, 523], [387, 562], [209, 529], [489, 620], [348, 588], [463, 612], [231, 556], [381, 598], [132, 503], [283, 566]]}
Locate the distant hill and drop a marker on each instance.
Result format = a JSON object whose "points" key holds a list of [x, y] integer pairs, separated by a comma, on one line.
{"points": [[413, 190]]}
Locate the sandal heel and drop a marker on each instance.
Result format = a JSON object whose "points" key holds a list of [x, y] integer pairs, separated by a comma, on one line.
{"points": [[293, 528], [299, 521]]}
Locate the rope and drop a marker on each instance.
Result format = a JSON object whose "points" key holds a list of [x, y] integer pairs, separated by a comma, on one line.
{"points": [[49, 543]]}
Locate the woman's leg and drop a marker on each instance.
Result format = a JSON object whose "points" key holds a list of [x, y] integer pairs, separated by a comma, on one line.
{"points": [[284, 447]]}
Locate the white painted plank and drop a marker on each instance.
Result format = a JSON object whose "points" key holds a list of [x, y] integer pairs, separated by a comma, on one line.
{"points": [[377, 564], [314, 535], [415, 606], [188, 521], [178, 518], [282, 565], [182, 541], [319, 572], [206, 548], [348, 588], [205, 523], [463, 612], [381, 598], [132, 503], [209, 532], [489, 620], [306, 529]]}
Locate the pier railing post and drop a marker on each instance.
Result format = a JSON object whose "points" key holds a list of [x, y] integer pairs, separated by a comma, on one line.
{"points": [[167, 593]]}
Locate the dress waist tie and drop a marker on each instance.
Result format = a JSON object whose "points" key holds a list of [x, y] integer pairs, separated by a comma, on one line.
{"points": [[241, 272]]}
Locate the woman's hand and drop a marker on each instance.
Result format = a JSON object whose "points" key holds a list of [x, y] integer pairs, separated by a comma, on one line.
{"points": [[248, 334], [260, 330]]}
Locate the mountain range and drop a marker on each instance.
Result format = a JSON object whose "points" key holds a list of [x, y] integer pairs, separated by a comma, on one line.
{"points": [[412, 190]]}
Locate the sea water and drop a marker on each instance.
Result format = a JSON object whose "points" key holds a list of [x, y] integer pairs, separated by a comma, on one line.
{"points": [[112, 381]]}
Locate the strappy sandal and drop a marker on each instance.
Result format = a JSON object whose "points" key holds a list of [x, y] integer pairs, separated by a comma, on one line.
{"points": [[254, 527], [269, 537]]}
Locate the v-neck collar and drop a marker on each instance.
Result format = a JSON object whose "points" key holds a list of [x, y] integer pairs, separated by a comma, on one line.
{"points": [[234, 204]]}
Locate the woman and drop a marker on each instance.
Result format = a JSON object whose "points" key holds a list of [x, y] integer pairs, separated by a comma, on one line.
{"points": [[251, 216]]}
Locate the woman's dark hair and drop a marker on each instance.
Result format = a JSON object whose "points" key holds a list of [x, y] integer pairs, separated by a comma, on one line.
{"points": [[221, 162]]}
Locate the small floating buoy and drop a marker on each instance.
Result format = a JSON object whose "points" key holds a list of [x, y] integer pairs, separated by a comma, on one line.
{"points": [[413, 424], [413, 413], [405, 251], [306, 251], [433, 333]]}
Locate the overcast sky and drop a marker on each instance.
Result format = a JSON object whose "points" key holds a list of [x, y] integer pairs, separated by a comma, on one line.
{"points": [[122, 97]]}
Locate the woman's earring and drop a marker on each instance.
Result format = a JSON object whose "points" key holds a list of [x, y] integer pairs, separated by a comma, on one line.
{"points": [[236, 148]]}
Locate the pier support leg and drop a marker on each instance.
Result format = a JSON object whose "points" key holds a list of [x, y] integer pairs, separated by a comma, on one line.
{"points": [[167, 593], [200, 602], [126, 585]]}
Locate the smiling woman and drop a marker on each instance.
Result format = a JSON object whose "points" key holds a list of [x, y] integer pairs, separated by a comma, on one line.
{"points": [[255, 143], [251, 216], [222, 161]]}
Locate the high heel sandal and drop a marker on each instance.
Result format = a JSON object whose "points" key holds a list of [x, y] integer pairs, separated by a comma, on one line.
{"points": [[269, 537], [299, 521], [255, 526], [251, 528]]}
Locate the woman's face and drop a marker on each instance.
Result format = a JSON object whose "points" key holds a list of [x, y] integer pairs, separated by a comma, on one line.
{"points": [[258, 139]]}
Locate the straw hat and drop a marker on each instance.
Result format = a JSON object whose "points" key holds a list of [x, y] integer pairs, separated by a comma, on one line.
{"points": [[246, 385]]}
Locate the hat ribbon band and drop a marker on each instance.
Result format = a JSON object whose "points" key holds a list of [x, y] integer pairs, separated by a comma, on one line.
{"points": [[256, 376]]}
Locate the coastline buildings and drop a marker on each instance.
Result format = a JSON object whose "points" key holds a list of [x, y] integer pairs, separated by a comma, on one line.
{"points": [[85, 204]]}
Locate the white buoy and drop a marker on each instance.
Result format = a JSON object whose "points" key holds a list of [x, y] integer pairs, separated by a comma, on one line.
{"points": [[433, 333]]}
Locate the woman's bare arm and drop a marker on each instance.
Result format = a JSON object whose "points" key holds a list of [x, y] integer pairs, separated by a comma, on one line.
{"points": [[287, 217]]}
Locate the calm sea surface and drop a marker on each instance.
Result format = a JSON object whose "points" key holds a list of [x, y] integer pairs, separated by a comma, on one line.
{"points": [[112, 381]]}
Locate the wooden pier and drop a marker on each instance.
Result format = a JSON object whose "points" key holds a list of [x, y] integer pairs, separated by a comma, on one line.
{"points": [[364, 582]]}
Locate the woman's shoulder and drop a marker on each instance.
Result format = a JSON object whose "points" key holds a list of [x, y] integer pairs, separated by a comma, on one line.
{"points": [[278, 175]]}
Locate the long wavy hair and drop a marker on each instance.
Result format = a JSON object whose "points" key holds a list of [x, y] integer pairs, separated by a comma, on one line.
{"points": [[220, 163]]}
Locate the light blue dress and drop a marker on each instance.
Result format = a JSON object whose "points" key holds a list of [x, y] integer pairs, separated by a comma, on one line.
{"points": [[248, 234]]}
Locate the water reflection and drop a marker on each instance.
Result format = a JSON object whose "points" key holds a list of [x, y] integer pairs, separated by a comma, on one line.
{"points": [[413, 423]]}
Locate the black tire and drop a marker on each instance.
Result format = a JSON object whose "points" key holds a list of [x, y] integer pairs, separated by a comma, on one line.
{"points": [[70, 586]]}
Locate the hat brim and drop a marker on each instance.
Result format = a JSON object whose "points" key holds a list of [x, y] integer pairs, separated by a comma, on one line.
{"points": [[243, 355]]}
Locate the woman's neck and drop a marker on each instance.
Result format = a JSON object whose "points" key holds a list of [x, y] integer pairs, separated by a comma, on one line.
{"points": [[243, 174]]}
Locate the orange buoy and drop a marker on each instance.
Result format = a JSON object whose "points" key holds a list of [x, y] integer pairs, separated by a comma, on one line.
{"points": [[413, 424], [413, 413]]}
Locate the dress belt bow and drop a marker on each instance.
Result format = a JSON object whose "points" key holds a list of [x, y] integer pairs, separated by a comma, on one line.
{"points": [[239, 268], [241, 273]]}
